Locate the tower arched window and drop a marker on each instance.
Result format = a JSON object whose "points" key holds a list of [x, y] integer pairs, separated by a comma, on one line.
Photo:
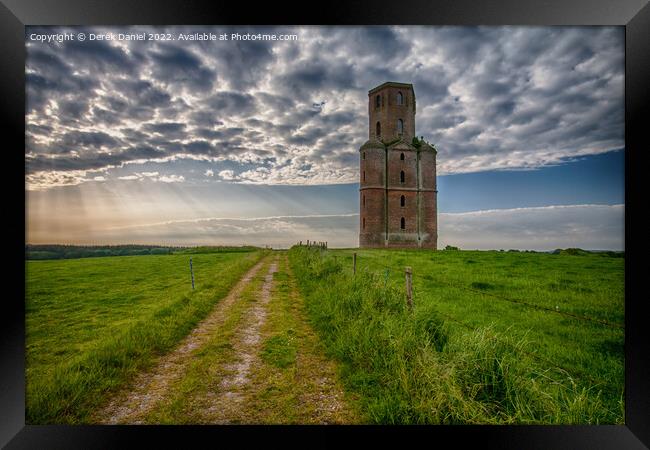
{"points": [[363, 155], [401, 176], [364, 223], [402, 223], [402, 201], [364, 175], [400, 98], [363, 200], [401, 156], [378, 133], [378, 101], [400, 126]]}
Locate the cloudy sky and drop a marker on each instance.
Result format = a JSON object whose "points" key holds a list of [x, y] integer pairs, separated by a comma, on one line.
{"points": [[232, 142]]}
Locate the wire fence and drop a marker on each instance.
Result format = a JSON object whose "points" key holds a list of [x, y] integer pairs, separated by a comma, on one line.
{"points": [[511, 300], [570, 372]]}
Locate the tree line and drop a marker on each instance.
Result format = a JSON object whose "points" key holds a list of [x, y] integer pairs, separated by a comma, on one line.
{"points": [[58, 251]]}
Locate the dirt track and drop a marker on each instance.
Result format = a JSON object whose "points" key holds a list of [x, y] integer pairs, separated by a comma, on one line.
{"points": [[237, 391]]}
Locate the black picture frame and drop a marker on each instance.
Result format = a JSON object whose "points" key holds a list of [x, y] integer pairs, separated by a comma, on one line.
{"points": [[634, 15]]}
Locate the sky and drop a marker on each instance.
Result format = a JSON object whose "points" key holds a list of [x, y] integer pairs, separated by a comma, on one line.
{"points": [[208, 142]]}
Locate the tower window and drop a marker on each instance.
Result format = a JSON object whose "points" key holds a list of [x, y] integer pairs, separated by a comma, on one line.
{"points": [[363, 155], [364, 223], [401, 177], [400, 126], [400, 98], [378, 129], [402, 223], [401, 156], [377, 101], [363, 200], [402, 201]]}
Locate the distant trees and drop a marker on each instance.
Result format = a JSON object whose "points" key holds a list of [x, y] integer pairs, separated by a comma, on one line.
{"points": [[581, 252], [35, 252]]}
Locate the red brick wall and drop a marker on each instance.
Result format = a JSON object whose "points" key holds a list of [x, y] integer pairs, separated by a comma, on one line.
{"points": [[383, 190], [429, 232], [389, 111], [374, 191], [372, 167], [428, 170], [395, 166], [373, 213], [408, 211], [372, 188]]}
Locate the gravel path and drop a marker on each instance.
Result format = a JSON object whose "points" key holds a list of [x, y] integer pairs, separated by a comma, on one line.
{"points": [[132, 404], [228, 403], [238, 390]]}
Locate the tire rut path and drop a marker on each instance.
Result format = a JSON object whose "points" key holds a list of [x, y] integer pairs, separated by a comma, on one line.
{"points": [[131, 405], [228, 404]]}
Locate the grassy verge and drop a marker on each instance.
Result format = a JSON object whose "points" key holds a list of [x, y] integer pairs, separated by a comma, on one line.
{"points": [[92, 324], [417, 367], [469, 288], [295, 383]]}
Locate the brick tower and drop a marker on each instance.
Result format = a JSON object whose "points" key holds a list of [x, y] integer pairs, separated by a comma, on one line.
{"points": [[397, 193]]}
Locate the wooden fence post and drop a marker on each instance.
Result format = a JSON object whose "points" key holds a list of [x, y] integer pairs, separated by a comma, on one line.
{"points": [[192, 273], [409, 288], [354, 263]]}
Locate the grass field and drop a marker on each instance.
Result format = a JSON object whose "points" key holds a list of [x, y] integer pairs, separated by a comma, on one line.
{"points": [[93, 323], [494, 337]]}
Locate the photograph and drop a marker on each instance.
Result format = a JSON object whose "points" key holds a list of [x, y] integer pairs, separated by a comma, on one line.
{"points": [[325, 225]]}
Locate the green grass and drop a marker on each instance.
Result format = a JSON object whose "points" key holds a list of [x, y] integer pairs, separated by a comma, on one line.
{"points": [[91, 324], [280, 350], [189, 397], [465, 354], [293, 383]]}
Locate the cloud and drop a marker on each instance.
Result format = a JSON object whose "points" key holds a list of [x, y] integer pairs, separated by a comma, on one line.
{"points": [[227, 175], [170, 130], [592, 227], [86, 139], [230, 103], [171, 178], [140, 93], [276, 231], [245, 63], [490, 98], [178, 66], [595, 227]]}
